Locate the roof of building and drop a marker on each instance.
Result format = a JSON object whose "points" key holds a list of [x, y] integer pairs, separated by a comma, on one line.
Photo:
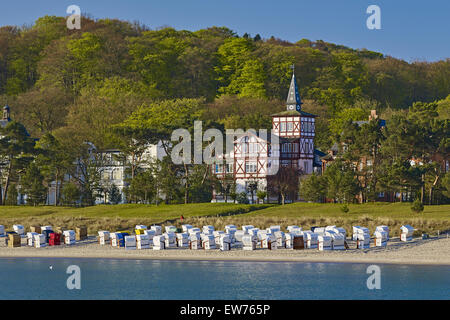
{"points": [[319, 153], [293, 98], [293, 101], [293, 113]]}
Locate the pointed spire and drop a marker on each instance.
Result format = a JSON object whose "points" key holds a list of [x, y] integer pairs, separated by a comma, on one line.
{"points": [[293, 101]]}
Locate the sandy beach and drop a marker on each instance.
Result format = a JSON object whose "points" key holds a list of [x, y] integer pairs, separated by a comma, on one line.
{"points": [[417, 251]]}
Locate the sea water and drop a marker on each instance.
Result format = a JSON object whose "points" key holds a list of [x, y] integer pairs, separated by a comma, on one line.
{"points": [[46, 278]]}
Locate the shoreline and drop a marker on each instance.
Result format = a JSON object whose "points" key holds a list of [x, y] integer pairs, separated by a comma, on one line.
{"points": [[249, 259], [415, 252]]}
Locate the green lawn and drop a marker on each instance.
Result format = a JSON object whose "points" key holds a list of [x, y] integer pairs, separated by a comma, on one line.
{"points": [[162, 211]]}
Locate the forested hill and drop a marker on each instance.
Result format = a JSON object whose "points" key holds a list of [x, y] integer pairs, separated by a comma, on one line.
{"points": [[92, 78]]}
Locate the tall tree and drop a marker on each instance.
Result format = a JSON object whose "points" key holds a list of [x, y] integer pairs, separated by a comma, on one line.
{"points": [[16, 151], [32, 185], [54, 160], [284, 183]]}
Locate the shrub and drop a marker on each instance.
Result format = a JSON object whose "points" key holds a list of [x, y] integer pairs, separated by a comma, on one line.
{"points": [[261, 194], [242, 198], [71, 193], [345, 208], [417, 206]]}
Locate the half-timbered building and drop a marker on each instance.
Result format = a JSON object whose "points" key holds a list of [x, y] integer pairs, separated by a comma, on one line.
{"points": [[254, 155]]}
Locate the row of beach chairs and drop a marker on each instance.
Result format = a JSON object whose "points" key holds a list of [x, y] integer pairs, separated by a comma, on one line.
{"points": [[247, 238]]}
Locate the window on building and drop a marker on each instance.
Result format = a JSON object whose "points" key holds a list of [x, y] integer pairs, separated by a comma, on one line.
{"points": [[229, 168], [295, 147], [250, 167], [290, 126], [283, 126], [244, 145], [251, 147], [306, 167], [117, 175], [218, 168], [105, 175]]}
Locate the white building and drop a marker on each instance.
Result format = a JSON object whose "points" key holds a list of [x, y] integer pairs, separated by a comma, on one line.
{"points": [[112, 170]]}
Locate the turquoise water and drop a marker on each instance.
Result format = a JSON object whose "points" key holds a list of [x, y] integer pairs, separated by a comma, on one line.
{"points": [[32, 278]]}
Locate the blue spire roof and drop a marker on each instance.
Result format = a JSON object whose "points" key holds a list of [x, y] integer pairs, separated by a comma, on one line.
{"points": [[293, 101]]}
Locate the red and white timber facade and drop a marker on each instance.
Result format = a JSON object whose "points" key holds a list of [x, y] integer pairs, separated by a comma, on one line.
{"points": [[254, 155]]}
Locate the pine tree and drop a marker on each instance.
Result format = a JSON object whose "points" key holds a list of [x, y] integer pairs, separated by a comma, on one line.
{"points": [[115, 196], [32, 185]]}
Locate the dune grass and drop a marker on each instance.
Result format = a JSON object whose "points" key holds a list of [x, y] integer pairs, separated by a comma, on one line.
{"points": [[306, 215], [378, 209], [111, 217]]}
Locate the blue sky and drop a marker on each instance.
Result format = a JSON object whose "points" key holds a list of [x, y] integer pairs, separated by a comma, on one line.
{"points": [[411, 29]]}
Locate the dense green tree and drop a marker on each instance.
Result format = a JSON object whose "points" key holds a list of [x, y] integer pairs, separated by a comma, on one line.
{"points": [[143, 187], [42, 110], [16, 151], [54, 161], [341, 181], [348, 114], [32, 185], [313, 188], [71, 193], [114, 195], [11, 197], [342, 82], [120, 85], [232, 57], [284, 183]]}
